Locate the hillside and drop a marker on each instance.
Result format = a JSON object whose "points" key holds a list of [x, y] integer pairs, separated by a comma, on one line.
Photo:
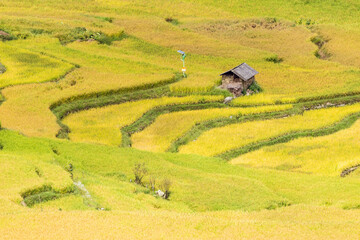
{"points": [[92, 89]]}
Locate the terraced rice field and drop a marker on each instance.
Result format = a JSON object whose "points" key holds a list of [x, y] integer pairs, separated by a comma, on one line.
{"points": [[168, 127], [328, 155], [239, 135], [103, 125], [92, 88]]}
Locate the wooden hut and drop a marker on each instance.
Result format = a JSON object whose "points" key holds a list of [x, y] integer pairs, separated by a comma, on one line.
{"points": [[238, 79]]}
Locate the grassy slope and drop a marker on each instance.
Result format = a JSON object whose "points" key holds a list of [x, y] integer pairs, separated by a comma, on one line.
{"points": [[213, 35], [199, 183]]}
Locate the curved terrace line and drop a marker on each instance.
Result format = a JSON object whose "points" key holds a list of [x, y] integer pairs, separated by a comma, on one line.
{"points": [[150, 116], [299, 108], [68, 106], [201, 127], [328, 130]]}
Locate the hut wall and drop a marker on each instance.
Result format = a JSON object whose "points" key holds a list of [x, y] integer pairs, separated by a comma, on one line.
{"points": [[237, 79], [246, 84], [227, 78], [236, 92]]}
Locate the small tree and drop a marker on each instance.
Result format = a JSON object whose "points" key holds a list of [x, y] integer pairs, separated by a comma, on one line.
{"points": [[140, 172], [152, 182], [165, 187]]}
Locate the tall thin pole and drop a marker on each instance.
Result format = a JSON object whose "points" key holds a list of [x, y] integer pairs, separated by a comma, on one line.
{"points": [[182, 58]]}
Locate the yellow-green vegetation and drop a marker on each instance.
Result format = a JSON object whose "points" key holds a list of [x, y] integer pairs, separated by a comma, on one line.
{"points": [[30, 103], [28, 67], [328, 155], [27, 169], [219, 140], [103, 125], [298, 222], [213, 40], [199, 184], [106, 74], [168, 127]]}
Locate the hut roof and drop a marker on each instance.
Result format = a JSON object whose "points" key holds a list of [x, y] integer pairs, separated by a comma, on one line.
{"points": [[243, 71]]}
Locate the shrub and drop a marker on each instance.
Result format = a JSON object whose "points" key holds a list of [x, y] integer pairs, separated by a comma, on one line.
{"points": [[40, 197], [255, 87], [140, 172], [172, 20], [107, 19], [322, 53], [4, 36], [318, 40], [278, 204], [165, 187], [44, 188], [274, 59], [83, 34], [2, 68]]}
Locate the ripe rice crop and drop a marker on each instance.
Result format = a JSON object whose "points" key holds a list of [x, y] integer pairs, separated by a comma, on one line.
{"points": [[126, 52], [102, 125], [28, 67], [327, 155], [30, 103], [218, 225], [219, 140], [168, 127]]}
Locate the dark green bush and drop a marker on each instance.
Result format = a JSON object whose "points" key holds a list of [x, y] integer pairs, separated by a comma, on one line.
{"points": [[4, 36], [172, 20], [83, 34], [277, 204], [44, 188], [2, 68], [274, 59], [41, 197], [318, 40], [107, 19], [255, 87]]}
